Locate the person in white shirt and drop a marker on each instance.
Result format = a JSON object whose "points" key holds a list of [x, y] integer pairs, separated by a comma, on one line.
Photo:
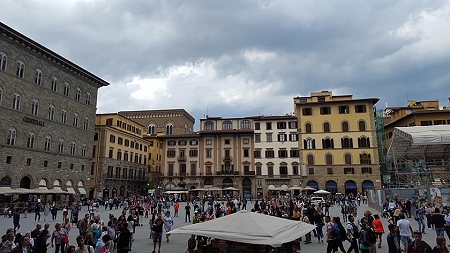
{"points": [[405, 231]]}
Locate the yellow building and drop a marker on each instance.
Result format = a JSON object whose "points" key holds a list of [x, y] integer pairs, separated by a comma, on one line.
{"points": [[416, 113], [156, 160], [121, 157], [337, 142]]}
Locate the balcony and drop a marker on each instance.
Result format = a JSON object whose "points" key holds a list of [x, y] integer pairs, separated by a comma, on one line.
{"points": [[227, 158], [181, 158], [182, 173], [249, 173], [226, 173]]}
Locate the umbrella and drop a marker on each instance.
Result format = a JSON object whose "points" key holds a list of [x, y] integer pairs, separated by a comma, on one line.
{"points": [[230, 189], [309, 188], [295, 187], [322, 192], [249, 227]]}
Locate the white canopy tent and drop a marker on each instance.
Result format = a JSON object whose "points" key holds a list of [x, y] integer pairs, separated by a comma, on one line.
{"points": [[249, 227]]}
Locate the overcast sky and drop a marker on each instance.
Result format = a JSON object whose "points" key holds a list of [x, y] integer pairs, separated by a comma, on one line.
{"points": [[240, 58]]}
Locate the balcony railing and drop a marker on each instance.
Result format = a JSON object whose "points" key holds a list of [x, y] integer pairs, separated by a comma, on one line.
{"points": [[249, 173], [227, 158], [231, 172], [181, 158]]}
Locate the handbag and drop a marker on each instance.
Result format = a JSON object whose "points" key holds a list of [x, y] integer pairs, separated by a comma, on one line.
{"points": [[64, 238]]}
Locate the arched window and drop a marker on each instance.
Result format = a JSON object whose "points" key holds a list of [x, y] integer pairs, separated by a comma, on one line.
{"points": [[310, 159], [169, 129], [364, 159], [362, 125], [348, 159], [11, 138], [30, 140], [88, 98], [73, 147], [363, 142], [75, 120], [227, 124], [61, 146], [16, 101], [346, 142], [329, 159], [327, 143], [151, 129], [309, 144], [38, 77], [209, 125], [86, 123], [77, 94], [308, 128], [47, 143], [20, 69], [83, 150], [345, 126], [64, 116], [245, 124], [51, 112], [54, 83], [34, 107], [326, 127], [66, 89], [3, 61]]}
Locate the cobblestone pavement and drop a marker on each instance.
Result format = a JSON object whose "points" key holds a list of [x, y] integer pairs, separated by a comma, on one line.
{"points": [[178, 242]]}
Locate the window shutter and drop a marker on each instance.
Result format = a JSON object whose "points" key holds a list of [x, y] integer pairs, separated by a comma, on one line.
{"points": [[314, 144]]}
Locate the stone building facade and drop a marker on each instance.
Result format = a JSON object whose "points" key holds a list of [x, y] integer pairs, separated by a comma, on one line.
{"points": [[47, 108]]}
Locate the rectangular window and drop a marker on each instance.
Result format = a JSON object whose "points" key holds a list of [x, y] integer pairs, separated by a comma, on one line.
{"points": [[294, 153], [439, 122], [329, 170], [171, 143], [28, 161], [258, 170], [208, 142], [119, 140], [366, 170], [60, 165], [209, 153], [171, 153], [293, 124], [109, 122], [45, 163], [112, 138], [193, 169], [295, 169], [282, 153], [182, 143], [227, 142], [426, 123], [349, 171], [270, 170], [193, 153], [193, 143], [281, 125], [293, 137], [246, 153], [270, 153], [71, 166], [268, 125], [257, 138], [282, 137], [269, 137], [343, 109], [321, 99], [9, 159], [307, 111], [360, 108], [257, 153], [111, 150], [283, 170], [257, 126], [311, 171], [246, 141], [326, 110]]}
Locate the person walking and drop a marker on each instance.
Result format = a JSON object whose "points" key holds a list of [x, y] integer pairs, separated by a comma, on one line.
{"points": [[168, 223], [441, 246], [378, 228], [176, 206], [47, 211], [438, 222], [157, 228], [419, 216], [418, 246], [123, 242], [405, 230], [54, 211], [37, 212], [352, 234], [393, 239], [60, 238], [306, 220], [16, 220]]}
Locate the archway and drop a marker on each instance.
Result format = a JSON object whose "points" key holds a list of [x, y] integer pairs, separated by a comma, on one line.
{"points": [[331, 186], [208, 181], [366, 185], [227, 182], [105, 192], [25, 182], [114, 192], [351, 187], [313, 184], [5, 182], [247, 188], [122, 191]]}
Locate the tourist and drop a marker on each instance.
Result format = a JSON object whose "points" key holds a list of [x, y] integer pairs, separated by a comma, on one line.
{"points": [[168, 223], [352, 234], [418, 246], [58, 238], [441, 246], [23, 246], [405, 230], [83, 248], [187, 210], [378, 228], [438, 220], [157, 229], [123, 242], [16, 220]]}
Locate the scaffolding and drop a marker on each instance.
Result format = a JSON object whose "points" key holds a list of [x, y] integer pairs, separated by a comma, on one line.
{"points": [[419, 156], [381, 142]]}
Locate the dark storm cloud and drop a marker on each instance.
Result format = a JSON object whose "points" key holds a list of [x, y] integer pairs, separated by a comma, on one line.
{"points": [[241, 56]]}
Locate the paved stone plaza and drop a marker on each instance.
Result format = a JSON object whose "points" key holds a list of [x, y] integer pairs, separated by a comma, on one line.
{"points": [[178, 242]]}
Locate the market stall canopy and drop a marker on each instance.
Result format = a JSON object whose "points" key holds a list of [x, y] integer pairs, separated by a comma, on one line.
{"points": [[322, 192], [175, 192], [295, 187], [249, 227], [309, 188], [213, 189], [230, 189]]}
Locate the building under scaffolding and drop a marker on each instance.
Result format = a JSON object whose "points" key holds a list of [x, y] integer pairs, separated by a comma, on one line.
{"points": [[419, 156]]}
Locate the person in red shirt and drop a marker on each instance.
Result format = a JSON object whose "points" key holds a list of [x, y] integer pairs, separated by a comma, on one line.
{"points": [[378, 228], [176, 206]]}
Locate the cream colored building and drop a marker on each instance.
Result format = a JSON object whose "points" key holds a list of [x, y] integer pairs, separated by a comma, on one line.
{"points": [[337, 141], [121, 154]]}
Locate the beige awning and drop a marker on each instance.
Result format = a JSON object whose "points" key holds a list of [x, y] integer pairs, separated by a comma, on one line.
{"points": [[82, 191], [70, 190]]}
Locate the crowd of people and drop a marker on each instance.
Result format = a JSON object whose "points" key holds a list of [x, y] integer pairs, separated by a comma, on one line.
{"points": [[96, 235]]}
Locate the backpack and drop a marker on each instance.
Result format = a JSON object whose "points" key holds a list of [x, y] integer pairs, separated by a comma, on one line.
{"points": [[343, 233], [355, 231], [335, 231], [371, 236]]}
